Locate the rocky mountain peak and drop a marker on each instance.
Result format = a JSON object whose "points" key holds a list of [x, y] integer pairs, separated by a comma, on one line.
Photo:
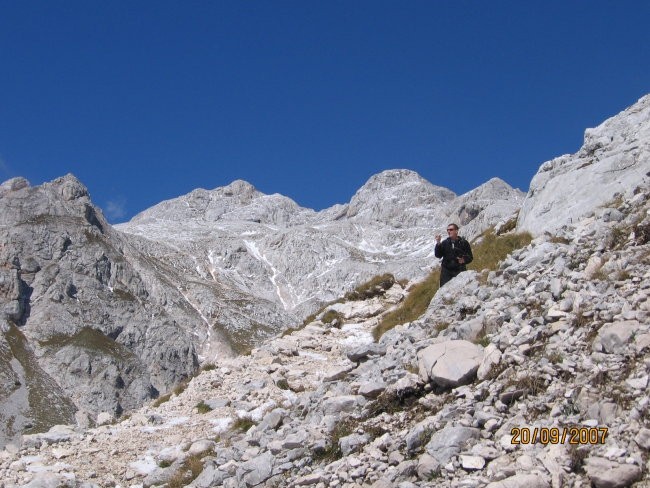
{"points": [[493, 188], [14, 184], [238, 188], [392, 178], [396, 197], [69, 187]]}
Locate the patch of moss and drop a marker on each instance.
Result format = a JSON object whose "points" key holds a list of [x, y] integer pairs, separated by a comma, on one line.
{"points": [[92, 340]]}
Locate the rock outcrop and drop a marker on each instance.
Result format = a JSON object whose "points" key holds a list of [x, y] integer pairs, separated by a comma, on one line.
{"points": [[81, 330], [612, 164]]}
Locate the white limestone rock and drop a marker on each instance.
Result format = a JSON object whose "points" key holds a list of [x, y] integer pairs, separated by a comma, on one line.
{"points": [[521, 481], [450, 363], [614, 159], [608, 474], [616, 337]]}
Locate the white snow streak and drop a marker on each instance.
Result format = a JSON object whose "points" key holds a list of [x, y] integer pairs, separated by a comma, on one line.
{"points": [[257, 254]]}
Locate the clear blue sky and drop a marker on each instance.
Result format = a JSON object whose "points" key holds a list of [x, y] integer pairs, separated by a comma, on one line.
{"points": [[147, 100]]}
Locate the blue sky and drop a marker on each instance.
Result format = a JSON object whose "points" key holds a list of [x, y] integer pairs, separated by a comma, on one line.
{"points": [[147, 100]]}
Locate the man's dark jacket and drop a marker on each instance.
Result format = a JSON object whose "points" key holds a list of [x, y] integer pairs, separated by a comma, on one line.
{"points": [[449, 250]]}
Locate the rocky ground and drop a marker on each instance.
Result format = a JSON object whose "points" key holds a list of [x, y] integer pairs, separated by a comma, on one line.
{"points": [[533, 375]]}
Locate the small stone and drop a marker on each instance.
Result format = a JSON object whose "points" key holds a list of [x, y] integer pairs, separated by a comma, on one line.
{"points": [[471, 463]]}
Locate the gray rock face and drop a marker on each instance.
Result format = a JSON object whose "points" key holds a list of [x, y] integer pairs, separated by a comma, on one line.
{"points": [[292, 259], [607, 474], [81, 331], [615, 158], [450, 441]]}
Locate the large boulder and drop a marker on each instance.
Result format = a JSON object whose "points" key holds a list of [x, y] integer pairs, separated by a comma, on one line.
{"points": [[450, 363]]}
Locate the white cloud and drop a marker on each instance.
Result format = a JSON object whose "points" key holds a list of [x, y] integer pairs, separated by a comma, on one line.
{"points": [[116, 208]]}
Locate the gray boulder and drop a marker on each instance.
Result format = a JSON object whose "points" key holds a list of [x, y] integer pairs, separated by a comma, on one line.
{"points": [[450, 363]]}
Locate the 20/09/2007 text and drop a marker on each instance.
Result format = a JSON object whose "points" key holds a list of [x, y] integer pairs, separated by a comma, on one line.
{"points": [[558, 435]]}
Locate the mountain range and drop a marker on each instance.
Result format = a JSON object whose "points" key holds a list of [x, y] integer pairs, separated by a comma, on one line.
{"points": [[100, 319]]}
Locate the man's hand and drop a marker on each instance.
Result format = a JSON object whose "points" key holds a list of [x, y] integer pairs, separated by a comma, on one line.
{"points": [[438, 237], [461, 260]]}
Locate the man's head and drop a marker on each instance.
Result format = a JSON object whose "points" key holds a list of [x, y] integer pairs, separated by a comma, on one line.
{"points": [[452, 231]]}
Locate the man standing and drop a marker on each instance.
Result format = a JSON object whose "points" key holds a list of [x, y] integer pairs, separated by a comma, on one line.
{"points": [[455, 252]]}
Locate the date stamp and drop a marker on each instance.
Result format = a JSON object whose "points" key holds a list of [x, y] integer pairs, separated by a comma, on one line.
{"points": [[558, 435]]}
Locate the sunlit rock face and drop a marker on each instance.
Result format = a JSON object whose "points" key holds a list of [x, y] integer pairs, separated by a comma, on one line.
{"points": [[612, 164]]}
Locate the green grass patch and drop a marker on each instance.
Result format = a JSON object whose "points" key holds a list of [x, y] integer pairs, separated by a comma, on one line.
{"points": [[331, 317], [48, 404], [203, 407], [374, 287], [242, 424], [91, 340], [492, 249], [333, 452], [413, 306], [162, 399], [191, 469], [509, 225]]}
